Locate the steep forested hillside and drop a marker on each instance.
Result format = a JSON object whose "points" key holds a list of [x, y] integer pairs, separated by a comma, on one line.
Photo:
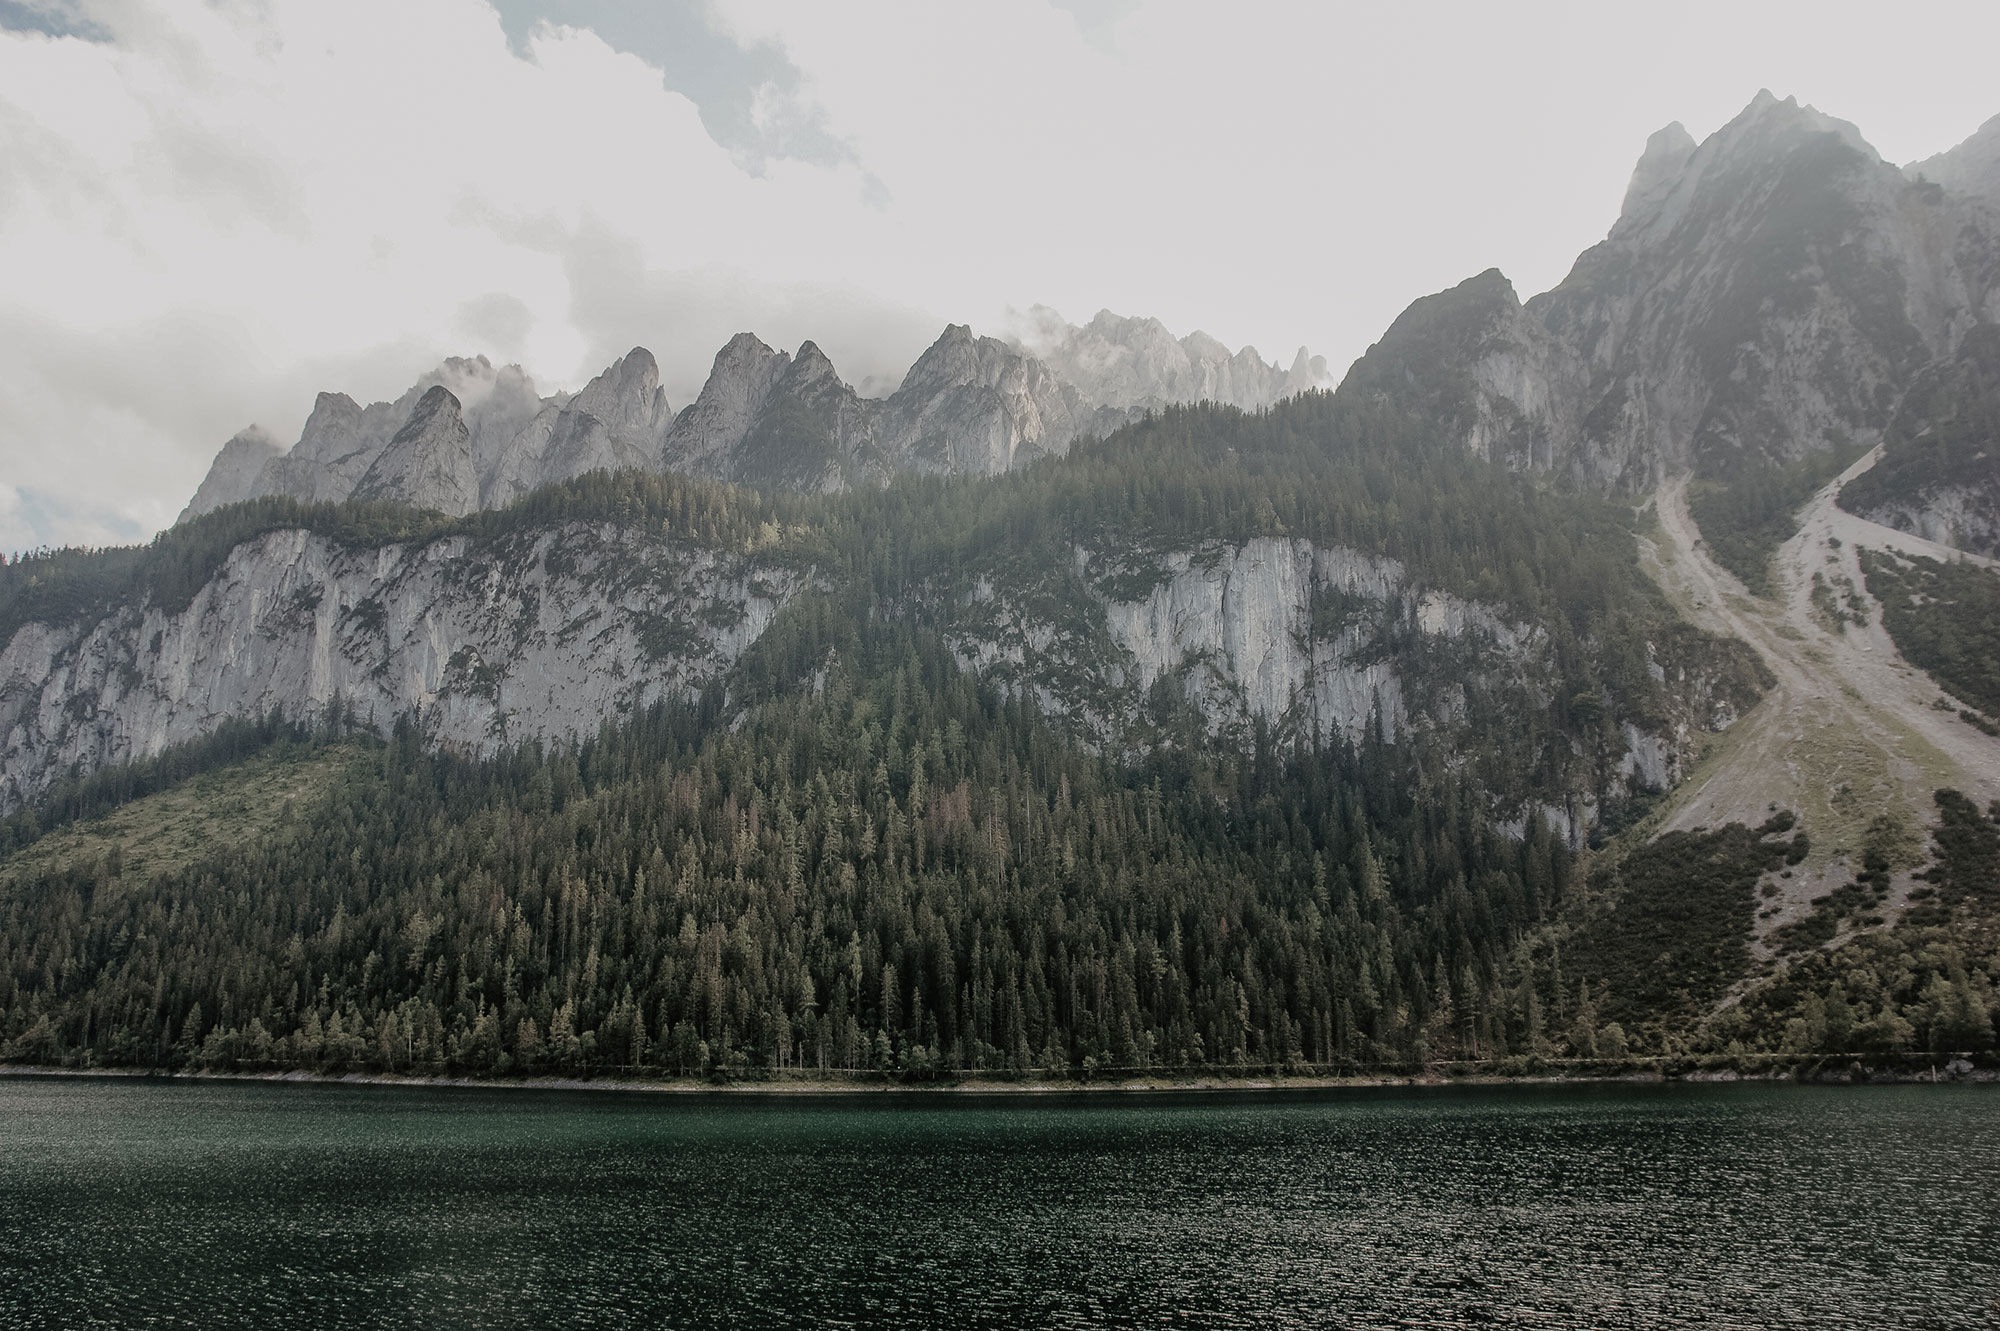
{"points": [[857, 848], [1433, 586], [898, 870]]}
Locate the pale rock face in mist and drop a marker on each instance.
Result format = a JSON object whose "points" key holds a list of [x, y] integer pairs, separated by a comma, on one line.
{"points": [[1972, 168], [975, 405], [1666, 156], [970, 405], [232, 477], [428, 463], [615, 422], [711, 429], [1135, 364], [516, 441]]}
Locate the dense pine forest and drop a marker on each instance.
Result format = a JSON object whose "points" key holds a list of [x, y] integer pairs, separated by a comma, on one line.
{"points": [[905, 875], [902, 873]]}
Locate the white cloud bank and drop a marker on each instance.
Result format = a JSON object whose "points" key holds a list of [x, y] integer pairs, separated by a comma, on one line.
{"points": [[226, 207]]}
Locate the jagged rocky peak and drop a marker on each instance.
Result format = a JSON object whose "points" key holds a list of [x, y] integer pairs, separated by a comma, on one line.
{"points": [[777, 421], [232, 477], [495, 403], [1971, 169], [627, 396], [1763, 293], [979, 406], [970, 405], [517, 440], [811, 369], [1129, 363], [712, 427], [616, 421], [428, 463]]}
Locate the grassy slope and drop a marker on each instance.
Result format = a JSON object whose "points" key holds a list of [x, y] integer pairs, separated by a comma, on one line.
{"points": [[237, 805]]}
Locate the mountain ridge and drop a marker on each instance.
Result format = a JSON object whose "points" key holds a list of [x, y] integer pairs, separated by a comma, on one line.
{"points": [[763, 417], [1420, 719]]}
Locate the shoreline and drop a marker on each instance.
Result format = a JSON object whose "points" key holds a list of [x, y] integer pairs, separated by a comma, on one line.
{"points": [[1947, 1070]]}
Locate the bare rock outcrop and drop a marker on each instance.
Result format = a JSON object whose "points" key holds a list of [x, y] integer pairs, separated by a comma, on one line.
{"points": [[232, 477], [1763, 295], [428, 463]]}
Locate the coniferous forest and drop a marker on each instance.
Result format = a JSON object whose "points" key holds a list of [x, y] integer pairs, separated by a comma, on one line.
{"points": [[904, 873], [854, 856]]}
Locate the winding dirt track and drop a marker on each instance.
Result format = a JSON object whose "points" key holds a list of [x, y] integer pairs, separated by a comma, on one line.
{"points": [[1850, 730]]}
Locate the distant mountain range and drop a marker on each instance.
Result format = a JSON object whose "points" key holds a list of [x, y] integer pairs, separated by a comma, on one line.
{"points": [[469, 436]]}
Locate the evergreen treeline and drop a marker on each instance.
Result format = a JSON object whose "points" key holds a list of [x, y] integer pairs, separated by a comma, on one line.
{"points": [[903, 873], [1945, 618], [1746, 507]]}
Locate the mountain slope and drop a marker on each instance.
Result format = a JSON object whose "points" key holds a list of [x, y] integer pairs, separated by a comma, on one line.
{"points": [[1763, 295], [1302, 717], [1939, 475], [1849, 735], [1240, 564]]}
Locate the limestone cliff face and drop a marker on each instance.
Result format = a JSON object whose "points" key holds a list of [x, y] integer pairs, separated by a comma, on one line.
{"points": [[1244, 631], [544, 635], [548, 632], [1766, 292], [1325, 643]]}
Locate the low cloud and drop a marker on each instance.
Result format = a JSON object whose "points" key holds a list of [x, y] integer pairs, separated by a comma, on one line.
{"points": [[617, 302]]}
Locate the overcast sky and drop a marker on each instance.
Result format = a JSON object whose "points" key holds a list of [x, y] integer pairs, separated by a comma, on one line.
{"points": [[210, 211]]}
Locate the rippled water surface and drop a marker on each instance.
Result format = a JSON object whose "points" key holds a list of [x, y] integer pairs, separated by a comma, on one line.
{"points": [[126, 1203]]}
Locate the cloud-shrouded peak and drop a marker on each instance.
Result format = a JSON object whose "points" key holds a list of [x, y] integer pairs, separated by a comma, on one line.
{"points": [[1129, 362]]}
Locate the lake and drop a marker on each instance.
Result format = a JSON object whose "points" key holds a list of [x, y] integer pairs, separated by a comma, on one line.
{"points": [[220, 1204]]}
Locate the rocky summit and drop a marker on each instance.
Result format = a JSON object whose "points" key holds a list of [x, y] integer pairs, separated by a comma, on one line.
{"points": [[1763, 294], [969, 406]]}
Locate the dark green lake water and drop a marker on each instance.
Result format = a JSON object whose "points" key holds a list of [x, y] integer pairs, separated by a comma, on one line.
{"points": [[126, 1203]]}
